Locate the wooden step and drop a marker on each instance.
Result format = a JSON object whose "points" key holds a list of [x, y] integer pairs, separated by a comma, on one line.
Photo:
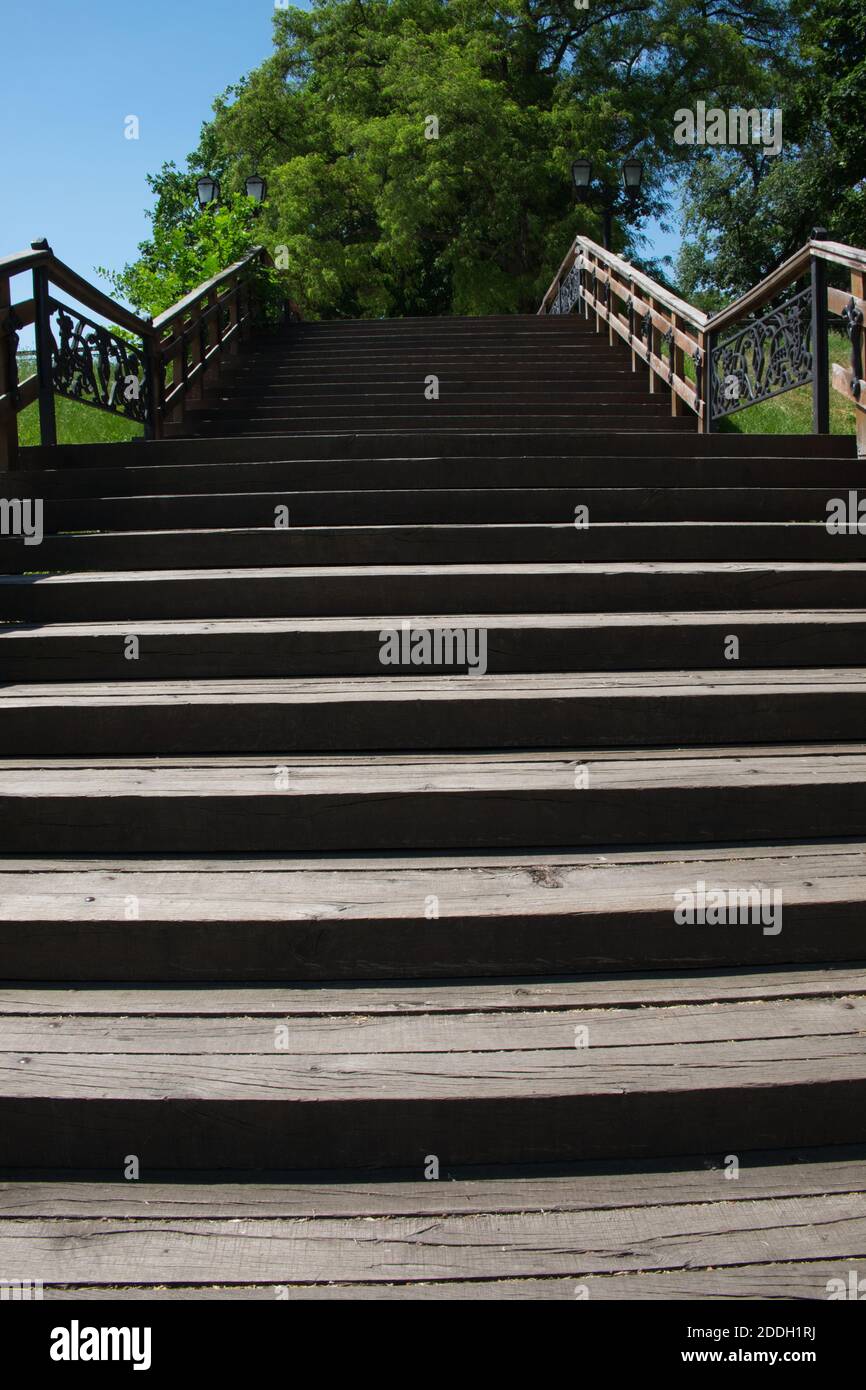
{"points": [[432, 506], [669, 1229], [644, 420], [456, 801], [472, 1087], [220, 649], [432, 710], [786, 459], [607, 481], [394, 918], [415, 590], [445, 544], [637, 1231]]}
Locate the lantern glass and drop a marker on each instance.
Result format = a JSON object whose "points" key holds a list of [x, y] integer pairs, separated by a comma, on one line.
{"points": [[208, 191], [632, 174], [581, 173], [255, 188]]}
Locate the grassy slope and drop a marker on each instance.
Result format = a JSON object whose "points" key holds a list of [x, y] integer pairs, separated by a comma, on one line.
{"points": [[76, 423], [792, 413]]}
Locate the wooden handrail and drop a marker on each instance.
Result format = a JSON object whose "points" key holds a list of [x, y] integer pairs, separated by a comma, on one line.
{"points": [[187, 340], [658, 292], [664, 317], [74, 284], [183, 305]]}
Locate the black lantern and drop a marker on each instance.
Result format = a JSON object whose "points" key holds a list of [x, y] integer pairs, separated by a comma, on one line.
{"points": [[581, 173], [208, 191], [632, 176], [256, 188]]}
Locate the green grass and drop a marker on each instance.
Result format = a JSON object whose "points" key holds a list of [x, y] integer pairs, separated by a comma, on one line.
{"points": [[76, 423], [792, 412]]}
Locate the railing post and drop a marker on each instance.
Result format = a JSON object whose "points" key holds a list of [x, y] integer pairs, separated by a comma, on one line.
{"points": [[653, 347], [42, 323], [709, 348], [820, 353], [858, 291], [152, 386], [678, 363], [8, 380]]}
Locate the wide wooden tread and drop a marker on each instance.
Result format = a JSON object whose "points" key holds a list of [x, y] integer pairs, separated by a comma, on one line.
{"points": [[465, 801], [669, 1230], [433, 710], [567, 1083], [393, 917]]}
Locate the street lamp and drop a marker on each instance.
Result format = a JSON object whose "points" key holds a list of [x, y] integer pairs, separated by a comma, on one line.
{"points": [[255, 188], [208, 191], [632, 176], [581, 173], [608, 195]]}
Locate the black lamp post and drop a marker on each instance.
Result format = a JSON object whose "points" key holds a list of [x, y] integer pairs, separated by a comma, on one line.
{"points": [[208, 191], [256, 188], [608, 196]]}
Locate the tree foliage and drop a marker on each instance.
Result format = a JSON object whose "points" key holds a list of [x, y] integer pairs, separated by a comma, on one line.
{"points": [[372, 217]]}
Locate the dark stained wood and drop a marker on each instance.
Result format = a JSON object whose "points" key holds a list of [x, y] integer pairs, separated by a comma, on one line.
{"points": [[459, 801], [412, 590], [433, 711], [216, 938]]}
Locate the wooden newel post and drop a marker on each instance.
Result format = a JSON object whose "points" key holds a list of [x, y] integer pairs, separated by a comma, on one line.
{"points": [[820, 352], [8, 380], [42, 323], [709, 343], [153, 386]]}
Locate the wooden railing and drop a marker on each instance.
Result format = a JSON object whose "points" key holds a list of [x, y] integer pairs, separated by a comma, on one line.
{"points": [[151, 376], [737, 358]]}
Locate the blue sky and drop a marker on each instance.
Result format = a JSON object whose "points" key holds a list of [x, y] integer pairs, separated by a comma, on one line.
{"points": [[78, 69]]}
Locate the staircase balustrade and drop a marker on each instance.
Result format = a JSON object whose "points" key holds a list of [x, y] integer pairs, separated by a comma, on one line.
{"points": [[148, 370], [739, 356]]}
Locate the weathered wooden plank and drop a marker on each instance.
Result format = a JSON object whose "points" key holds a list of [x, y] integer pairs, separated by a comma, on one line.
{"points": [[402, 1249], [445, 544], [226, 648], [596, 1187], [257, 805], [809, 1279], [435, 505], [406, 590], [431, 711], [439, 1033]]}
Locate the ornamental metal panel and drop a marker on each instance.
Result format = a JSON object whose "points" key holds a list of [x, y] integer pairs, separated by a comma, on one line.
{"points": [[91, 364], [766, 358], [568, 293]]}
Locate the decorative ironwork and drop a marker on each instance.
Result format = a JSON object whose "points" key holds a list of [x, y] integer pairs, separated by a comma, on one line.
{"points": [[698, 359], [568, 293], [764, 359], [10, 332], [646, 324], [91, 364], [853, 320], [668, 340], [629, 309]]}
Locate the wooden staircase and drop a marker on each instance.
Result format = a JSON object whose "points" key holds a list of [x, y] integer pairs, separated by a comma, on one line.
{"points": [[269, 906]]}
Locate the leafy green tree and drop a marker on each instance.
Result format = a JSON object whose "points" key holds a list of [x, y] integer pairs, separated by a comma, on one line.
{"points": [[744, 212], [418, 152]]}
